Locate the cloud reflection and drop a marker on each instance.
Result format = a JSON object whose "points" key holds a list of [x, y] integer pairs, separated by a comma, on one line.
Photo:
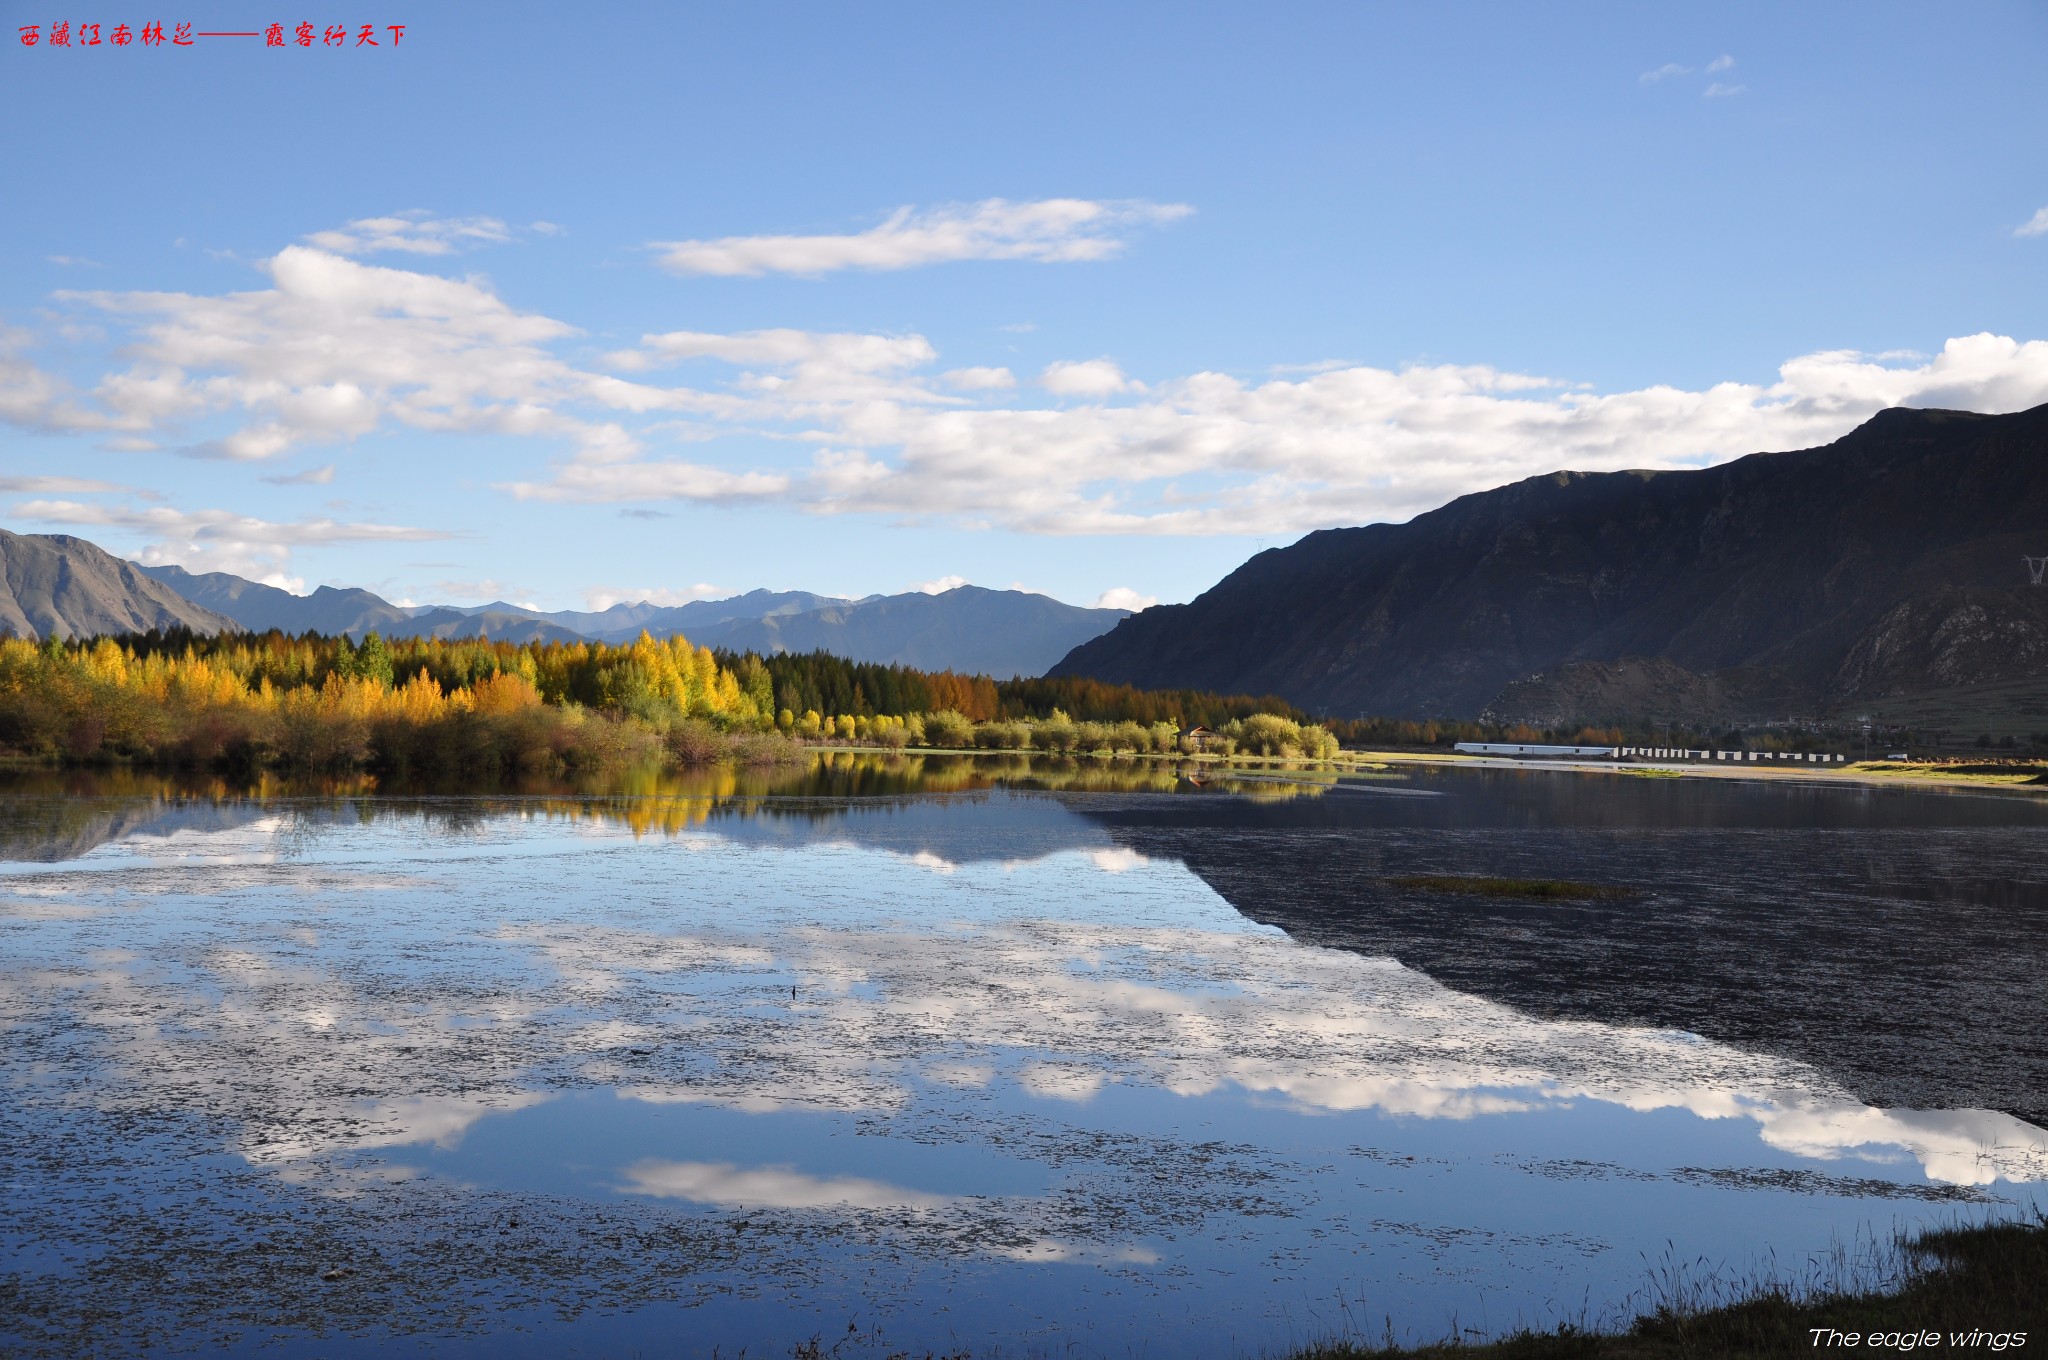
{"points": [[320, 1011], [1067, 1008], [770, 1187]]}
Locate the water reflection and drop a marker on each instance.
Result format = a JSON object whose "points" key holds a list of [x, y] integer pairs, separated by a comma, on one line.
{"points": [[54, 817], [742, 1051], [1894, 938]]}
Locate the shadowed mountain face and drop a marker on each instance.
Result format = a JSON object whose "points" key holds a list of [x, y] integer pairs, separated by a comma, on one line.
{"points": [[54, 583], [1850, 571]]}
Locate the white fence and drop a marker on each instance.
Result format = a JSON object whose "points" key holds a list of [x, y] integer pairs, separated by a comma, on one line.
{"points": [[1510, 748]]}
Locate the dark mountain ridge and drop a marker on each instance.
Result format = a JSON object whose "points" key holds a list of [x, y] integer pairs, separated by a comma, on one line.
{"points": [[1797, 580]]}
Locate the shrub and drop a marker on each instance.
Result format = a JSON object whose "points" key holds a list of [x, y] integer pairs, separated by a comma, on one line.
{"points": [[1093, 736], [1003, 736], [948, 727], [695, 742], [1129, 736], [1267, 734], [1055, 733]]}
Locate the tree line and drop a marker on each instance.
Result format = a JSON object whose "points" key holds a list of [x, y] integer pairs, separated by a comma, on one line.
{"points": [[830, 685], [474, 704]]}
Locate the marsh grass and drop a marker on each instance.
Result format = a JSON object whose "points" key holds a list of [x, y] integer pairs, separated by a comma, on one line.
{"points": [[1526, 889], [1990, 1280], [2006, 773]]}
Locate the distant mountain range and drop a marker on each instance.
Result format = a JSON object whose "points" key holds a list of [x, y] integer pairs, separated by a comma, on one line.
{"points": [[333, 611], [69, 586], [967, 629], [1888, 562], [54, 583]]}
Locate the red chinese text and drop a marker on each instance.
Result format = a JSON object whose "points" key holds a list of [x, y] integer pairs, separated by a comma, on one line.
{"points": [[70, 33]]}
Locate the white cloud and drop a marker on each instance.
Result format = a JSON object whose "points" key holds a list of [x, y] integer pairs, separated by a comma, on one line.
{"points": [[2037, 225], [1671, 70], [851, 423], [33, 399], [979, 379], [74, 261], [490, 589], [414, 233], [1211, 453], [218, 540], [656, 480], [1123, 597], [319, 476], [795, 366], [330, 352], [600, 598], [1086, 378], [940, 586], [58, 486], [1048, 230]]}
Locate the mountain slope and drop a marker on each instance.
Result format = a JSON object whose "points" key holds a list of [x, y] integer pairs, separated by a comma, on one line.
{"points": [[499, 625], [54, 583], [623, 622], [1784, 567], [332, 611], [968, 629], [260, 608], [1001, 632]]}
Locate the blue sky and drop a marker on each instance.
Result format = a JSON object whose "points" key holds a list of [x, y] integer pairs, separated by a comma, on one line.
{"points": [[664, 300]]}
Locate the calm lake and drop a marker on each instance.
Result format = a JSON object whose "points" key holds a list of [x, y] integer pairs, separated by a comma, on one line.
{"points": [[1067, 1059]]}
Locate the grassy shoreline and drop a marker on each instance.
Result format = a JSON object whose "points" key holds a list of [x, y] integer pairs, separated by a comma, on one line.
{"points": [[2018, 777], [1988, 1281]]}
